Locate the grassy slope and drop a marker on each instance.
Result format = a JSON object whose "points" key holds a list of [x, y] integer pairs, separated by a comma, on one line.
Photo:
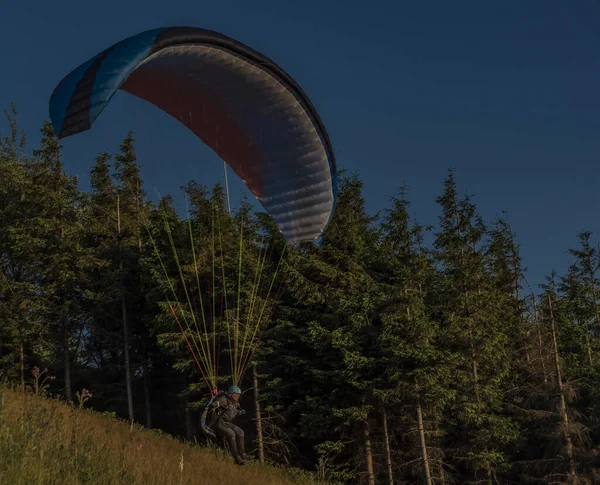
{"points": [[45, 441]]}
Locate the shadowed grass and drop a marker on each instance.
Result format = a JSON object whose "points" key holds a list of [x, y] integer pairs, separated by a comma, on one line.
{"points": [[45, 441]]}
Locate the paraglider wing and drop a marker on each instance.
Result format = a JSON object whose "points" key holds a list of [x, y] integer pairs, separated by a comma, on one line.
{"points": [[240, 103]]}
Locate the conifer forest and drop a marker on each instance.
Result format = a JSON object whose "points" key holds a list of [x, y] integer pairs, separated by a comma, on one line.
{"points": [[391, 352]]}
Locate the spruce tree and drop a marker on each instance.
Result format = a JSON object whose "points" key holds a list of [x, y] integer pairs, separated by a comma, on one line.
{"points": [[22, 333], [104, 347], [51, 237], [416, 379], [561, 451], [479, 433], [582, 288], [131, 221], [335, 326]]}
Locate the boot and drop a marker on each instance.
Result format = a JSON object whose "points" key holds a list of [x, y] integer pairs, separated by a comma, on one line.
{"points": [[238, 460], [241, 447]]}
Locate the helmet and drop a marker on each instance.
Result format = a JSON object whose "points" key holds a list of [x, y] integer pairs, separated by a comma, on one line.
{"points": [[235, 390]]}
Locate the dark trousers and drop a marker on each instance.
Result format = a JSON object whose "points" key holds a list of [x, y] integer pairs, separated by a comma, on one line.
{"points": [[234, 435]]}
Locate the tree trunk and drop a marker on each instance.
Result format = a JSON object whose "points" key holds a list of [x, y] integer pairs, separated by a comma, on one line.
{"points": [[596, 312], [589, 348], [474, 366], [487, 468], [475, 374], [423, 443], [424, 455], [146, 379], [539, 333], [67, 358], [538, 325], [125, 325], [127, 358], [388, 450], [563, 403], [189, 423], [441, 479], [22, 361], [259, 430], [64, 306], [369, 454]]}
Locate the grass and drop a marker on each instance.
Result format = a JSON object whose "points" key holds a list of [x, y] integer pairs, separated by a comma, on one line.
{"points": [[46, 441]]}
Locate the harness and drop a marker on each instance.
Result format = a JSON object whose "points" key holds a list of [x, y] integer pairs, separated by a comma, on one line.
{"points": [[207, 430]]}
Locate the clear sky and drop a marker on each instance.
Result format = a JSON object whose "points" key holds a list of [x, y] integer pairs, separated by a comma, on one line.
{"points": [[508, 93]]}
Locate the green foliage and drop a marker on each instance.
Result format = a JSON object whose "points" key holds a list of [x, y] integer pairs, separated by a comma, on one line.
{"points": [[475, 336], [377, 344]]}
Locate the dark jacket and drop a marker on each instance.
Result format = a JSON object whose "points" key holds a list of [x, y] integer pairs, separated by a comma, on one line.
{"points": [[227, 408]]}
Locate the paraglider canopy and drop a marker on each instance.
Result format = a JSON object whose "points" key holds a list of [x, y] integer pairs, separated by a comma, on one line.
{"points": [[239, 102]]}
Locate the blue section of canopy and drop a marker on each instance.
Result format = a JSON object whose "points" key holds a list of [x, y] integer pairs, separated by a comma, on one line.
{"points": [[119, 63]]}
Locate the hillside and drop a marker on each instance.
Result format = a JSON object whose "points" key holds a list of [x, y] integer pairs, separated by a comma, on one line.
{"points": [[46, 441]]}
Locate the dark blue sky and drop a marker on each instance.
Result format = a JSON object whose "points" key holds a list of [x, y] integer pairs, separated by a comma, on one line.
{"points": [[505, 92]]}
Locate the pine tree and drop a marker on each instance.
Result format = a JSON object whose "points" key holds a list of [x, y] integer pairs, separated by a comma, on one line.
{"points": [[131, 220], [479, 432], [564, 459], [582, 286], [416, 379], [336, 328], [104, 349], [580, 331], [504, 264], [51, 236], [22, 335], [172, 362]]}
